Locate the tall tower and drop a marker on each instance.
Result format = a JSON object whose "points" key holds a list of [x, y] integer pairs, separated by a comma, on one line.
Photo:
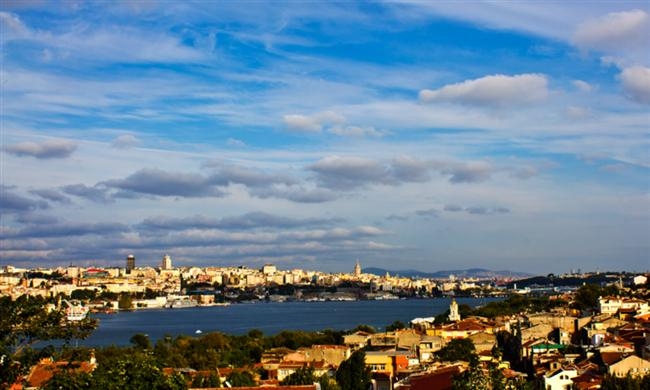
{"points": [[357, 269], [166, 262], [130, 263], [454, 315]]}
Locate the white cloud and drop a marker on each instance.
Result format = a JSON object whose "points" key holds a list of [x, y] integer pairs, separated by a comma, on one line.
{"points": [[43, 150], [582, 86], [125, 141], [11, 25], [302, 123], [236, 143], [312, 123], [96, 43], [636, 83], [332, 122], [496, 90], [355, 131], [575, 112], [616, 31]]}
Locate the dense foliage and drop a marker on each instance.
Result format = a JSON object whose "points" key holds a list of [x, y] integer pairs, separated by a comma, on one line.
{"points": [[137, 371], [458, 349], [353, 373], [515, 304], [586, 296], [27, 320], [492, 378]]}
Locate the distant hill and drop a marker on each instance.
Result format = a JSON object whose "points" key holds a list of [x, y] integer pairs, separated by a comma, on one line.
{"points": [[480, 273], [568, 281]]}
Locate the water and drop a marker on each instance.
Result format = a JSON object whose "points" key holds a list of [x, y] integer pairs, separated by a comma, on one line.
{"points": [[271, 318]]}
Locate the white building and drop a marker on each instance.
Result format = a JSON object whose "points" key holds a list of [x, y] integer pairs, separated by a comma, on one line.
{"points": [[611, 305], [269, 269], [560, 379]]}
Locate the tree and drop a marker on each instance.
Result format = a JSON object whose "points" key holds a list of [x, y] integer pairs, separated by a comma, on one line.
{"points": [[328, 383], [586, 297], [69, 380], [396, 325], [241, 379], [25, 321], [125, 302], [137, 371], [353, 374], [140, 341], [364, 328], [458, 349], [302, 376], [206, 381], [84, 294], [471, 379], [476, 378], [510, 346]]}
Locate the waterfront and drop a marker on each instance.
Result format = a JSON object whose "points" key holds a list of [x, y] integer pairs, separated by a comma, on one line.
{"points": [[271, 318]]}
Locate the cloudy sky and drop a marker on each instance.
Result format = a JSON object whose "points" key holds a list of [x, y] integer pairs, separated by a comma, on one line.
{"points": [[405, 134]]}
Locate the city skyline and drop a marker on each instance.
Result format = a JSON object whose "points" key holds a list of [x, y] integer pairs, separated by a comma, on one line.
{"points": [[408, 135]]}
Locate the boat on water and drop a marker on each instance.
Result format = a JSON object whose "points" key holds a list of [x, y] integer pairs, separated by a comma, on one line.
{"points": [[75, 311]]}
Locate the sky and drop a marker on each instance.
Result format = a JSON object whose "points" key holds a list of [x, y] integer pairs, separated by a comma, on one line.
{"points": [[309, 134]]}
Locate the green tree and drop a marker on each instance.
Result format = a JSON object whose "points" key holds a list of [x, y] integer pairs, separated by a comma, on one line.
{"points": [[364, 328], [136, 371], [586, 297], [206, 381], [353, 374], [396, 325], [125, 302], [458, 349], [471, 379], [328, 383], [140, 341], [26, 320], [83, 294], [69, 380], [302, 376], [241, 379]]}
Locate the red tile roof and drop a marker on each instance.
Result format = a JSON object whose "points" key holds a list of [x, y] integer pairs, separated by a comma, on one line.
{"points": [[42, 372], [440, 379]]}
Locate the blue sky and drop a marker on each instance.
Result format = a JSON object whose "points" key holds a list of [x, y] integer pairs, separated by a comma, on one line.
{"points": [[405, 134]]}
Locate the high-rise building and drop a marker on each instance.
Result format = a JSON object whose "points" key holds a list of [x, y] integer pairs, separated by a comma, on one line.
{"points": [[166, 262], [130, 263], [357, 269]]}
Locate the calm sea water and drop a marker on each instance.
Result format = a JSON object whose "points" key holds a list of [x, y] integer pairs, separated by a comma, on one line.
{"points": [[271, 318]]}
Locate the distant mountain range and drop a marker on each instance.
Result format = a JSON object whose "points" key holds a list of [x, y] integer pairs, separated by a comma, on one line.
{"points": [[480, 273]]}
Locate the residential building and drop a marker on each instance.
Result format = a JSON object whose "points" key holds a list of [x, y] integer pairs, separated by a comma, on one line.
{"points": [[631, 365], [560, 379]]}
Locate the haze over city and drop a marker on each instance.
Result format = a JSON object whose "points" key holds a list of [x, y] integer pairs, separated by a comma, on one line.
{"points": [[409, 135]]}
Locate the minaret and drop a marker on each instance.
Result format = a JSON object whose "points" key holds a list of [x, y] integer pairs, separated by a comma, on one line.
{"points": [[453, 311], [357, 269]]}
